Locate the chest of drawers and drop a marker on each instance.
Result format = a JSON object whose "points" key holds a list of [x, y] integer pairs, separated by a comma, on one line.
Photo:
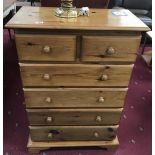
{"points": [[75, 74]]}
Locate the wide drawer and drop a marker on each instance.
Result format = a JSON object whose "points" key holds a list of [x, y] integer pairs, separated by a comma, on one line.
{"points": [[46, 47], [74, 97], [74, 116], [75, 75], [110, 48], [71, 133]]}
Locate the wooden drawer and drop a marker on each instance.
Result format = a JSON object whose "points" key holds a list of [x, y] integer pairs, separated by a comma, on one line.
{"points": [[46, 47], [48, 75], [74, 97], [110, 48], [74, 116], [71, 133]]}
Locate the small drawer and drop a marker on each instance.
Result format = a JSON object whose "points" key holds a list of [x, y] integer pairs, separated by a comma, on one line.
{"points": [[74, 97], [110, 48], [74, 116], [46, 47], [48, 75], [71, 133]]}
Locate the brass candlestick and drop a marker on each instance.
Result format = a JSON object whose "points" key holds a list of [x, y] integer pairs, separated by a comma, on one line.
{"points": [[66, 10]]}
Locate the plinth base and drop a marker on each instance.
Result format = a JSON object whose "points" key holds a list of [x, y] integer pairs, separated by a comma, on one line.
{"points": [[36, 147]]}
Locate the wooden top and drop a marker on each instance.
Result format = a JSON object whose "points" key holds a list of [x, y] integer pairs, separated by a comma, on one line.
{"points": [[99, 19]]}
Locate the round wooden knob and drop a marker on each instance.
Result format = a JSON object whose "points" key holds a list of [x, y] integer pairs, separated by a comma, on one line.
{"points": [[110, 51], [46, 49], [98, 118], [49, 119], [50, 135], [101, 99], [96, 134], [48, 100], [46, 77], [104, 77]]}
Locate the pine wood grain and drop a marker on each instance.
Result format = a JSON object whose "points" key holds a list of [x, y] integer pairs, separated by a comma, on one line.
{"points": [[74, 116], [95, 48], [48, 75], [72, 133], [74, 97], [31, 47], [99, 19]]}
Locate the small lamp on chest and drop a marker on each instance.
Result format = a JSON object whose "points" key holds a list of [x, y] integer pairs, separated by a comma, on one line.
{"points": [[66, 10]]}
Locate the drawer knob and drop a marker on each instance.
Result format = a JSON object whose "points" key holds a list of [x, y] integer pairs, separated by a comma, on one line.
{"points": [[49, 119], [98, 118], [46, 49], [96, 134], [50, 135], [110, 51], [46, 77], [101, 99], [104, 77], [48, 100]]}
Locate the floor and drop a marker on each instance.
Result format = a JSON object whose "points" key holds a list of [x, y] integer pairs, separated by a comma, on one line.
{"points": [[135, 125]]}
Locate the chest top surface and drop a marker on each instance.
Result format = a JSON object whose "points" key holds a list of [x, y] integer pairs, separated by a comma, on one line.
{"points": [[99, 19]]}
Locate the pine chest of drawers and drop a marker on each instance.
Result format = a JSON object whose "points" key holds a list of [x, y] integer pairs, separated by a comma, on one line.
{"points": [[75, 74]]}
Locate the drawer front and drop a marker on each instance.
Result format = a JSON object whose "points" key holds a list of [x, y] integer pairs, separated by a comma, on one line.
{"points": [[74, 116], [110, 48], [71, 133], [75, 75], [74, 97], [46, 47]]}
